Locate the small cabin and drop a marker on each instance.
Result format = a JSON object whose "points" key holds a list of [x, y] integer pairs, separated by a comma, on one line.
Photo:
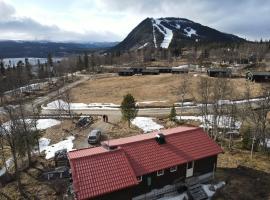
{"points": [[130, 168], [163, 70], [150, 72], [219, 72], [258, 76], [126, 72], [180, 71], [137, 70]]}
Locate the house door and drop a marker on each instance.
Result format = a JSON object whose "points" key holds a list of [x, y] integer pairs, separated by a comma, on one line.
{"points": [[190, 167]]}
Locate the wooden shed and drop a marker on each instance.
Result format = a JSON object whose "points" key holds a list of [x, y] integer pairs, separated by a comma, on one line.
{"points": [[126, 72], [258, 76], [219, 72], [150, 72]]}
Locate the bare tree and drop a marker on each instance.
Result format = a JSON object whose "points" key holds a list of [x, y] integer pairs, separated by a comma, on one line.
{"points": [[204, 87], [183, 91]]}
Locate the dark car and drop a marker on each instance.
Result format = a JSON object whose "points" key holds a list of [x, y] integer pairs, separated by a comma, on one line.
{"points": [[94, 136], [84, 122]]}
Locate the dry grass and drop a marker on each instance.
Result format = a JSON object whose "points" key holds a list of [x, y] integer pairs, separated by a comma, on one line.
{"points": [[147, 88]]}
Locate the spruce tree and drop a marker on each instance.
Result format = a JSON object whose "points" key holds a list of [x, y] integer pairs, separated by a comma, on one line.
{"points": [[128, 108], [172, 114]]}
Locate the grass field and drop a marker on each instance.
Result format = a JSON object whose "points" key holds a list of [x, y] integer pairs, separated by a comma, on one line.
{"points": [[163, 87]]}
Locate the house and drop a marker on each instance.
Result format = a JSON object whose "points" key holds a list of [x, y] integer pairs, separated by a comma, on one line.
{"points": [[126, 168], [126, 72], [219, 72], [180, 70], [150, 72], [258, 76]]}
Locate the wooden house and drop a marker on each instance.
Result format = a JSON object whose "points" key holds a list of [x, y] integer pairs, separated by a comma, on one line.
{"points": [[219, 72], [180, 71], [150, 72], [162, 69], [128, 168], [126, 72], [258, 76], [137, 70]]}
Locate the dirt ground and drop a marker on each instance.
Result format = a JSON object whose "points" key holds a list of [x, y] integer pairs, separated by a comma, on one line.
{"points": [[115, 128], [162, 87]]}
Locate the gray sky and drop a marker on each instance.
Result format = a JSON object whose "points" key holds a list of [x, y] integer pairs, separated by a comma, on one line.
{"points": [[112, 20]]}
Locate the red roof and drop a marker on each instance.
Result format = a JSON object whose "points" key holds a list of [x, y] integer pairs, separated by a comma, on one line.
{"points": [[97, 174], [136, 156]]}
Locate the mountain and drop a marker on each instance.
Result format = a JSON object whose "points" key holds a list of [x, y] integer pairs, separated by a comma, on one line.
{"points": [[21, 49], [171, 32]]}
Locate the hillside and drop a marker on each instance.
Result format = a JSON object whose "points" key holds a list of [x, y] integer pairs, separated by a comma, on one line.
{"points": [[14, 49], [170, 32]]}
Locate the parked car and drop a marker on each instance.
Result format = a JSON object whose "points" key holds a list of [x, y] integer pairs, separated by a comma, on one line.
{"points": [[84, 122], [94, 136]]}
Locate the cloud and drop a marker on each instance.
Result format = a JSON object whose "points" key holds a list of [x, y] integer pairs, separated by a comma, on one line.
{"points": [[6, 11], [112, 20], [25, 28]]}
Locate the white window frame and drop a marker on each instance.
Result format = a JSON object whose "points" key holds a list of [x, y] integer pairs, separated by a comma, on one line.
{"points": [[139, 178], [160, 172], [173, 169]]}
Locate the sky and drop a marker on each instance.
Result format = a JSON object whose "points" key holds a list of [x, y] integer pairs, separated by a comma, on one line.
{"points": [[112, 20]]}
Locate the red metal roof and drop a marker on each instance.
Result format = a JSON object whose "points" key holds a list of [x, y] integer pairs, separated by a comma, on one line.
{"points": [[147, 155], [102, 173], [96, 171]]}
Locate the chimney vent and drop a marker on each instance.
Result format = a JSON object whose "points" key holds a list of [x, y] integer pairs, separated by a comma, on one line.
{"points": [[160, 138]]}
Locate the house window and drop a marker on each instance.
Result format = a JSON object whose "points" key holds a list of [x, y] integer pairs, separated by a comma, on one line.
{"points": [[173, 169], [139, 178], [190, 165], [160, 172]]}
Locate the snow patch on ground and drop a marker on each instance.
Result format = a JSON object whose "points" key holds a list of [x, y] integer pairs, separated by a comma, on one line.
{"points": [[146, 124], [190, 31], [150, 102], [51, 149], [141, 47], [207, 122], [168, 34], [62, 105], [43, 124]]}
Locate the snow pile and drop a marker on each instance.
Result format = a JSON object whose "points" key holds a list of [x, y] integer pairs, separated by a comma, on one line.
{"points": [[168, 34], [190, 31], [208, 121], [62, 105], [50, 150], [146, 124]]}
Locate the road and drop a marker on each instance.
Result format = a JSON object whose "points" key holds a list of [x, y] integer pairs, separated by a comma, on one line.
{"points": [[152, 112], [40, 100]]}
